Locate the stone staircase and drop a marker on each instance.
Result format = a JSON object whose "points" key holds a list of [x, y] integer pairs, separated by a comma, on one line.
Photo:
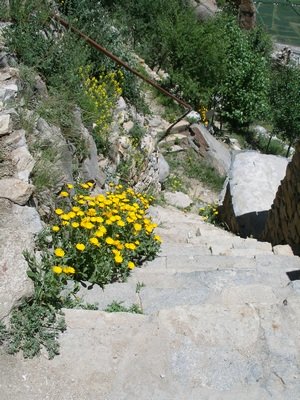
{"points": [[221, 321]]}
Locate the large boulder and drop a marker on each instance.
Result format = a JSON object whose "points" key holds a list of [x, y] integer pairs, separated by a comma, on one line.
{"points": [[18, 225], [250, 191], [215, 152]]}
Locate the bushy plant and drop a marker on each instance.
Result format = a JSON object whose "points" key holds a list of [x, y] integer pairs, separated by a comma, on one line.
{"points": [[103, 90], [100, 238], [210, 213]]}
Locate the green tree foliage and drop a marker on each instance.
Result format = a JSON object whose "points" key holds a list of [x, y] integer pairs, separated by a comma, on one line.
{"points": [[285, 96], [244, 90]]}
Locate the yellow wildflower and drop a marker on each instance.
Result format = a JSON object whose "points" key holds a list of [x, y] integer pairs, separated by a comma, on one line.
{"points": [[75, 224], [55, 228], [137, 227], [109, 240], [69, 270], [131, 265], [70, 186], [59, 211], [118, 259], [94, 241], [57, 269], [64, 194], [59, 252], [80, 246]]}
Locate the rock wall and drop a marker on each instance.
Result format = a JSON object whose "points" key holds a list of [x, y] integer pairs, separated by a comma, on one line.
{"points": [[283, 221], [250, 190]]}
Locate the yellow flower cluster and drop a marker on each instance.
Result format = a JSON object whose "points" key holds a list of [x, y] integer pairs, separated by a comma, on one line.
{"points": [[203, 111], [104, 91], [209, 213], [110, 228]]}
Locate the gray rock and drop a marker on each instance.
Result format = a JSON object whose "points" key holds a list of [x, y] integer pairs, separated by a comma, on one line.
{"points": [[23, 162], [283, 250], [5, 124], [121, 105], [181, 126], [215, 152], [163, 168], [89, 169], [51, 136], [15, 190], [178, 199], [17, 229], [16, 139], [253, 182], [128, 125]]}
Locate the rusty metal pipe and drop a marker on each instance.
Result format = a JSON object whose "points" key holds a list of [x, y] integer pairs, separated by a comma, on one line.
{"points": [[120, 62]]}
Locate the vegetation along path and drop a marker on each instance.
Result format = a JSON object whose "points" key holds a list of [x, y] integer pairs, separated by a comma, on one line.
{"points": [[220, 321]]}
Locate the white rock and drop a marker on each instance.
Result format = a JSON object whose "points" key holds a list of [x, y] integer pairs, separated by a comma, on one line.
{"points": [[23, 161], [4, 124], [15, 190], [181, 126], [283, 250], [163, 167], [128, 125], [17, 229], [178, 199]]}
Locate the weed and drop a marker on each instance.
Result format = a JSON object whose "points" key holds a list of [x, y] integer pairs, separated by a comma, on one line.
{"points": [[174, 184], [116, 306], [137, 132], [210, 214], [190, 165], [139, 286], [32, 326]]}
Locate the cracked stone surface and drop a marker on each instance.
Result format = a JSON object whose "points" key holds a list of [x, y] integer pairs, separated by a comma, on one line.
{"points": [[215, 327]]}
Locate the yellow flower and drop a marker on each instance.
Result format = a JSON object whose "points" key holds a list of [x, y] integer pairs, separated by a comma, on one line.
{"points": [[130, 246], [121, 223], [70, 186], [157, 238], [55, 228], [80, 246], [64, 194], [57, 269], [109, 240], [131, 265], [137, 227], [65, 223], [65, 217], [100, 232], [84, 186], [94, 241], [69, 270], [59, 252], [59, 211], [118, 259], [75, 224]]}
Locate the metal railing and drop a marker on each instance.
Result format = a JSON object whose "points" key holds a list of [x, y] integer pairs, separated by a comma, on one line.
{"points": [[118, 61]]}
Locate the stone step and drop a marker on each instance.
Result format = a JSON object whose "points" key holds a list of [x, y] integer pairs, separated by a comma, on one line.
{"points": [[192, 352], [156, 287]]}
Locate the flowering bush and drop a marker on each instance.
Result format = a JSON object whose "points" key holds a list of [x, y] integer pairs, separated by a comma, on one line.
{"points": [[100, 238], [103, 92], [210, 213]]}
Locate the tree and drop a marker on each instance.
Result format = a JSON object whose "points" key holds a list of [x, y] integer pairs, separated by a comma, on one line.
{"points": [[285, 102], [245, 87]]}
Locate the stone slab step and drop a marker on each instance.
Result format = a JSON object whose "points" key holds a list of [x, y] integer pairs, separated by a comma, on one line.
{"points": [[191, 352]]}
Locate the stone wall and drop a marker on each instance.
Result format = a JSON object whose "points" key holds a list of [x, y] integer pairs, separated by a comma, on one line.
{"points": [[283, 221]]}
